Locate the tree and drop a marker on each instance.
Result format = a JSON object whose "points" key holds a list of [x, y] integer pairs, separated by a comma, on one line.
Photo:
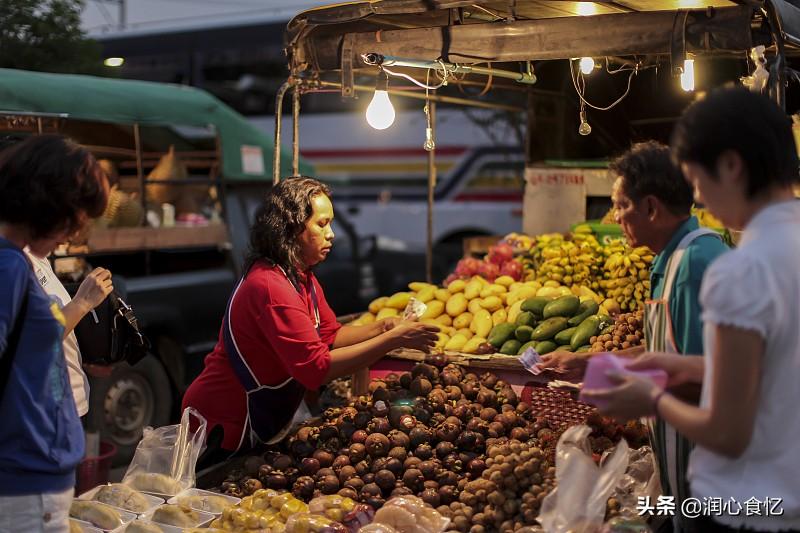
{"points": [[45, 35]]}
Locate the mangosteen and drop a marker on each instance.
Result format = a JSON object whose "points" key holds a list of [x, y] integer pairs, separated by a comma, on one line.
{"points": [[419, 435], [423, 451], [282, 462], [303, 488], [421, 386], [380, 408], [368, 478], [453, 463], [447, 432], [375, 503], [449, 378], [370, 490], [327, 432], [470, 389], [437, 396], [339, 462], [431, 497], [277, 481], [324, 457], [379, 425], [394, 465], [362, 467], [507, 396], [398, 453], [411, 462], [520, 434], [402, 491], [378, 464], [397, 411], [347, 492], [385, 480], [446, 477], [437, 419], [301, 448], [263, 472], [453, 393], [346, 472], [377, 444], [292, 474], [448, 494], [423, 415], [252, 464], [431, 373], [328, 485], [362, 403], [496, 429], [362, 419], [309, 466], [413, 479], [252, 485], [405, 380], [398, 439], [374, 385], [443, 449], [430, 484], [523, 408], [488, 379], [476, 467], [322, 472], [355, 483], [428, 469], [346, 430], [359, 436], [357, 452], [487, 414]]}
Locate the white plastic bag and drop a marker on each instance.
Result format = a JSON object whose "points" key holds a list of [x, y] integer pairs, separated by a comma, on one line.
{"points": [[581, 506], [166, 457]]}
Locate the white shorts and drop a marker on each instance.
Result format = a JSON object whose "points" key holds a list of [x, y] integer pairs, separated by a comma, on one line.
{"points": [[36, 513]]}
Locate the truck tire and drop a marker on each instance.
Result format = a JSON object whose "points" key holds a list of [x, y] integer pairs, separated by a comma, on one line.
{"points": [[127, 401]]}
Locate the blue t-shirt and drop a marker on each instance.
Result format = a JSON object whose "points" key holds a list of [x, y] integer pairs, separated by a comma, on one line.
{"points": [[41, 438], [684, 301]]}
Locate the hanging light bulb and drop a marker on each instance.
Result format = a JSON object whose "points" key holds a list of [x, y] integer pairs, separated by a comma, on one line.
{"points": [[586, 65], [584, 129], [687, 76], [380, 112]]}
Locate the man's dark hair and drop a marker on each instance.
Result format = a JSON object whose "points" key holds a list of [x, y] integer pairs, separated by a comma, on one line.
{"points": [[49, 183], [747, 123], [647, 169], [280, 220]]}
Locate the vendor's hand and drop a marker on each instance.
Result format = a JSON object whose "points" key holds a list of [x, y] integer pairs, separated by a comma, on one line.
{"points": [[632, 398], [678, 372], [390, 323], [414, 335], [572, 365], [94, 289]]}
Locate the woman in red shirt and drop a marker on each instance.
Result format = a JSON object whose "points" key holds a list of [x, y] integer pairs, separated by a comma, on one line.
{"points": [[279, 337]]}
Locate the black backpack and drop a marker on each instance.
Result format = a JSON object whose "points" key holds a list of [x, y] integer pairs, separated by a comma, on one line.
{"points": [[111, 334]]}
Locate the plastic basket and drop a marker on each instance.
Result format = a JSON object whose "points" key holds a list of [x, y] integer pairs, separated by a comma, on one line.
{"points": [[93, 471]]}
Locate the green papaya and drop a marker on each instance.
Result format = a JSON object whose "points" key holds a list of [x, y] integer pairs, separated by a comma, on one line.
{"points": [[585, 310], [510, 347], [563, 306], [585, 331], [526, 318], [583, 349], [523, 333], [500, 334], [546, 347], [535, 305], [565, 335], [548, 328], [564, 348], [530, 344]]}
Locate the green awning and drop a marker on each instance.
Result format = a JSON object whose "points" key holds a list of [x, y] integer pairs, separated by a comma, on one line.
{"points": [[148, 104]]}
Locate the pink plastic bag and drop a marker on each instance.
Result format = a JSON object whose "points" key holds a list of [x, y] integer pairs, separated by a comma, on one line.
{"points": [[601, 364]]}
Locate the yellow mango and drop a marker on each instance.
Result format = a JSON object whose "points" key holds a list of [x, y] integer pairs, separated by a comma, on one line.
{"points": [[480, 279], [473, 289], [474, 306], [426, 294], [505, 281], [435, 308], [514, 311], [387, 312], [456, 305], [466, 332], [456, 343], [491, 304], [443, 338], [430, 321], [472, 344], [521, 295], [492, 290], [398, 300], [377, 304], [463, 320], [367, 318], [417, 286], [444, 320], [442, 295], [481, 323], [548, 292], [515, 286], [552, 283], [457, 285], [499, 316]]}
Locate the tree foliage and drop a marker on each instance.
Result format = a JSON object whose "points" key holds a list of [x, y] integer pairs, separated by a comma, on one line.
{"points": [[45, 35]]}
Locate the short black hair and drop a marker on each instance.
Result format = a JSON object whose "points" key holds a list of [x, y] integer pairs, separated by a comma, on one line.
{"points": [[747, 123], [49, 183], [647, 169]]}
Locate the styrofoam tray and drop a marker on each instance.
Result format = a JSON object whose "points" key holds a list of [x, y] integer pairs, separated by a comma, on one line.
{"points": [[125, 516], [155, 501], [86, 527], [199, 492], [163, 527], [205, 518]]}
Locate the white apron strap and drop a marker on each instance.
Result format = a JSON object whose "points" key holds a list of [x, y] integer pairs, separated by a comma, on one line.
{"points": [[675, 259]]}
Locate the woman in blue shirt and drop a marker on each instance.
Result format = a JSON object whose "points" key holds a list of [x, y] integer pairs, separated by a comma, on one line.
{"points": [[49, 188]]}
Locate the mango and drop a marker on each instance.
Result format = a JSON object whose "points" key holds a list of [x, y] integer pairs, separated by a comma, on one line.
{"points": [[565, 335], [444, 320], [587, 329], [377, 304], [367, 318], [398, 300], [546, 347], [474, 306], [443, 339], [586, 309], [529, 344], [492, 303], [481, 323], [463, 320], [472, 344], [548, 292], [547, 329], [492, 290], [473, 289], [505, 281], [387, 312], [521, 294], [456, 305], [442, 295], [466, 332], [526, 318], [515, 286], [523, 333], [456, 286], [536, 305], [510, 347], [514, 311], [418, 286], [499, 316], [500, 334], [426, 294], [565, 306], [456, 343], [435, 308]]}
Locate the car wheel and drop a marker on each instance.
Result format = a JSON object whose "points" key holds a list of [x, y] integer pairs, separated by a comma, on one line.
{"points": [[127, 401]]}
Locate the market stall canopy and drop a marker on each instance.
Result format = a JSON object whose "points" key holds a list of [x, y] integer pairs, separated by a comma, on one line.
{"points": [[147, 104], [334, 37]]}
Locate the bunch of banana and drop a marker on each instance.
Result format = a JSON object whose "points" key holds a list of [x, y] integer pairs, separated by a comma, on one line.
{"points": [[706, 219], [626, 276], [570, 262]]}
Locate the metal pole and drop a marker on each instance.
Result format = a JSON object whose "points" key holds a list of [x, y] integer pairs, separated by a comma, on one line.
{"points": [[433, 98], [137, 142], [276, 155], [431, 105], [390, 61], [123, 15], [296, 130]]}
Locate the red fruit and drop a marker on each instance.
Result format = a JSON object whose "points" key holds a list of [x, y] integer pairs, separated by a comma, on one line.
{"points": [[501, 253], [512, 268], [452, 277], [468, 267], [489, 271]]}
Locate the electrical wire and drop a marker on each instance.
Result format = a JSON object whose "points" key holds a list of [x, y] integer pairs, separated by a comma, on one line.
{"points": [[445, 77], [581, 81]]}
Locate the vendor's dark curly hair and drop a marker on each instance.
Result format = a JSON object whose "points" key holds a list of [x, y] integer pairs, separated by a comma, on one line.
{"points": [[49, 183], [279, 222]]}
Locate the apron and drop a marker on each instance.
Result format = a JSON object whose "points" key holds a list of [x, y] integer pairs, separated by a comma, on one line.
{"points": [[673, 448], [270, 408]]}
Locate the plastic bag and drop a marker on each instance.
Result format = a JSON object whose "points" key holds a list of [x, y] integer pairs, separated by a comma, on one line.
{"points": [[581, 506], [640, 480], [409, 514], [165, 458], [414, 310]]}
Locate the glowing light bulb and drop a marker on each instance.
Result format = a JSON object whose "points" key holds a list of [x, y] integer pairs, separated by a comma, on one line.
{"points": [[380, 112], [586, 9], [584, 129], [587, 65], [687, 76], [114, 61]]}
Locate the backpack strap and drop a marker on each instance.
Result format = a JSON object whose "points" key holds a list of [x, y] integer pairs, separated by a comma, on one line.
{"points": [[7, 357]]}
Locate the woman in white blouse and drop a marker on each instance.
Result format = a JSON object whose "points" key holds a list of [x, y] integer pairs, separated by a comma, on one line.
{"points": [[737, 149]]}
